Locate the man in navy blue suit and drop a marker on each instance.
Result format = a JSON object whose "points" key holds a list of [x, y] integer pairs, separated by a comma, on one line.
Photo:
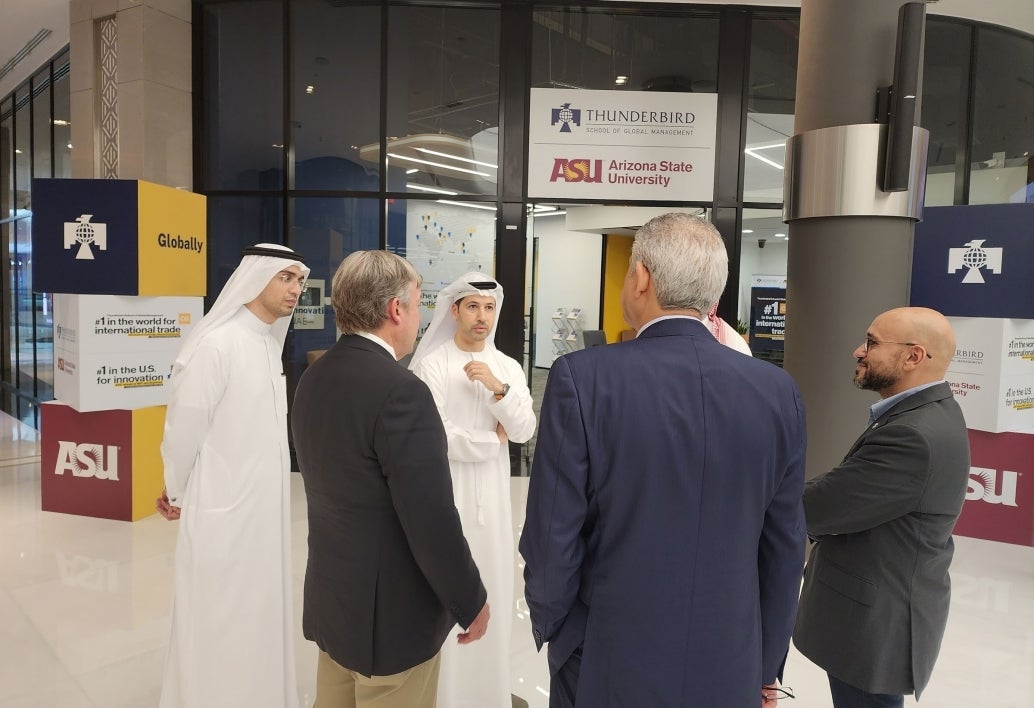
{"points": [[664, 537]]}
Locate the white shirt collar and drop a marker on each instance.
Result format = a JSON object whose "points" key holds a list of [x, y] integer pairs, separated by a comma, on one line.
{"points": [[377, 340], [670, 317]]}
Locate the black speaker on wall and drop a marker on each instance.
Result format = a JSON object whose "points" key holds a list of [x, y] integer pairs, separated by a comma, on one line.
{"points": [[908, 58]]}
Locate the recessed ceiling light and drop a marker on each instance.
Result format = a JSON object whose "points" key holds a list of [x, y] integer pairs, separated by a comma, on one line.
{"points": [[467, 204], [780, 235], [748, 231], [310, 89], [437, 164], [409, 172], [762, 158], [423, 188], [60, 121], [620, 80], [456, 157]]}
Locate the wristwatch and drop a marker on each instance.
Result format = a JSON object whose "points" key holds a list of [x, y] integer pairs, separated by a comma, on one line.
{"points": [[506, 390]]}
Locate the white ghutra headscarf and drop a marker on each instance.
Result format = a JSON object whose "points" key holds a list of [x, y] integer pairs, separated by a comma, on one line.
{"points": [[443, 327], [260, 263]]}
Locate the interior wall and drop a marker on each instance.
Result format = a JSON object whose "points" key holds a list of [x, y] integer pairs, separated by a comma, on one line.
{"points": [[619, 251], [568, 277]]}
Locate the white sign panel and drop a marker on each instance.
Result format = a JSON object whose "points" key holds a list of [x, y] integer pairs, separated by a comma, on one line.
{"points": [[1019, 347], [309, 314], [622, 145], [992, 374], [116, 352], [444, 241]]}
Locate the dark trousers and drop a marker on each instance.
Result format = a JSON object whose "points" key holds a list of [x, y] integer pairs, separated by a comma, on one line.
{"points": [[563, 684], [847, 696]]}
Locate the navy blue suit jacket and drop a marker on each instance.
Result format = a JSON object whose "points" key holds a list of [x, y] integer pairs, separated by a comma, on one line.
{"points": [[665, 531]]}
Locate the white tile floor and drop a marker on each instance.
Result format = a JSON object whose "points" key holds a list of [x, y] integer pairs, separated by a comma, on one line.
{"points": [[84, 610]]}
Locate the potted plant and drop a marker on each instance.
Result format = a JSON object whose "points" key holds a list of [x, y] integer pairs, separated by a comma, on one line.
{"points": [[744, 330]]}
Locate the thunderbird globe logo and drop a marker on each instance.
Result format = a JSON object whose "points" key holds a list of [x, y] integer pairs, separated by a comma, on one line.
{"points": [[565, 115], [82, 232], [975, 257]]}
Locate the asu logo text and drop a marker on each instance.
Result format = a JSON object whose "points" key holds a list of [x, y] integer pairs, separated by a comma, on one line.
{"points": [[87, 460], [984, 481], [579, 170]]}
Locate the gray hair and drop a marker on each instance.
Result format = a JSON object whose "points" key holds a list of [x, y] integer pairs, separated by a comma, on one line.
{"points": [[364, 284], [686, 258]]}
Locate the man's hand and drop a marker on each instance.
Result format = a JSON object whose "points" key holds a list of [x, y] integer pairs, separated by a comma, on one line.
{"points": [[770, 697], [477, 628], [479, 371], [165, 508]]}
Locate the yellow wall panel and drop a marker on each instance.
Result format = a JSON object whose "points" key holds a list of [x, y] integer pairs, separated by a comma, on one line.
{"points": [[619, 250]]}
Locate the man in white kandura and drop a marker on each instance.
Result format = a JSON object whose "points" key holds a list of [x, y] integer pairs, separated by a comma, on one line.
{"points": [[484, 401], [227, 473]]}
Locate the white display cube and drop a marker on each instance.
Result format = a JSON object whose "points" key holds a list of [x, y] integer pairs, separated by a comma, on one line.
{"points": [[116, 351], [992, 373]]}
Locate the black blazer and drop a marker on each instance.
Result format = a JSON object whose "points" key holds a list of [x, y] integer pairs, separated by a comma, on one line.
{"points": [[876, 590], [389, 572]]}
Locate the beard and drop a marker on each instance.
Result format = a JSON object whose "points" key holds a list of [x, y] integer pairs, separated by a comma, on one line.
{"points": [[871, 379]]}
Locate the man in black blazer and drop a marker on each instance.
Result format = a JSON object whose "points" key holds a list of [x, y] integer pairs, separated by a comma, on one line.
{"points": [[876, 589], [389, 572]]}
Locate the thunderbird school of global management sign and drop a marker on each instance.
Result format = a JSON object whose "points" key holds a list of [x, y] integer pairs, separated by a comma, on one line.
{"points": [[621, 145]]}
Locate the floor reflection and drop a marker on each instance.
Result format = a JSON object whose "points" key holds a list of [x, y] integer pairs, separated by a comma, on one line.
{"points": [[84, 609]]}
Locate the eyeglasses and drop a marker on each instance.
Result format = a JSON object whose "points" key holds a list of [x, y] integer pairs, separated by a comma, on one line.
{"points": [[287, 277], [869, 343], [778, 693]]}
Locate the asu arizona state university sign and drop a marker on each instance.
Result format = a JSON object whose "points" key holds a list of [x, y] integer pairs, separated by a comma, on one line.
{"points": [[622, 145]]}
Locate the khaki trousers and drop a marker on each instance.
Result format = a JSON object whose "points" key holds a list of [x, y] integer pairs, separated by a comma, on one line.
{"points": [[338, 687]]}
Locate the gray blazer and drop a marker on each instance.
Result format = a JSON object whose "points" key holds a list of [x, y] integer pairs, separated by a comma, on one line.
{"points": [[876, 589]]}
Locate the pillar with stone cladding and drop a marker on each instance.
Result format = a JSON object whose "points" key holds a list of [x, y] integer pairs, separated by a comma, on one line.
{"points": [[131, 90]]}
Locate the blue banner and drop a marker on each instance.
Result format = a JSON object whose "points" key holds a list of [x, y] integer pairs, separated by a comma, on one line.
{"points": [[767, 319], [84, 236], [975, 261]]}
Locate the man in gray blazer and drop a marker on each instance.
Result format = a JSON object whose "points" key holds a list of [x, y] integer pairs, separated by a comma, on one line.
{"points": [[389, 572], [876, 589]]}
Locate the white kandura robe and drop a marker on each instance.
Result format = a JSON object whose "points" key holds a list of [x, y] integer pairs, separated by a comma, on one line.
{"points": [[227, 461], [477, 675]]}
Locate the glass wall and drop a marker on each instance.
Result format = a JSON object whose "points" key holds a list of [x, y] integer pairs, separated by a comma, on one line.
{"points": [[335, 51], [771, 95], [243, 89], [583, 48], [443, 100], [333, 126], [1001, 166], [34, 142], [944, 107]]}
